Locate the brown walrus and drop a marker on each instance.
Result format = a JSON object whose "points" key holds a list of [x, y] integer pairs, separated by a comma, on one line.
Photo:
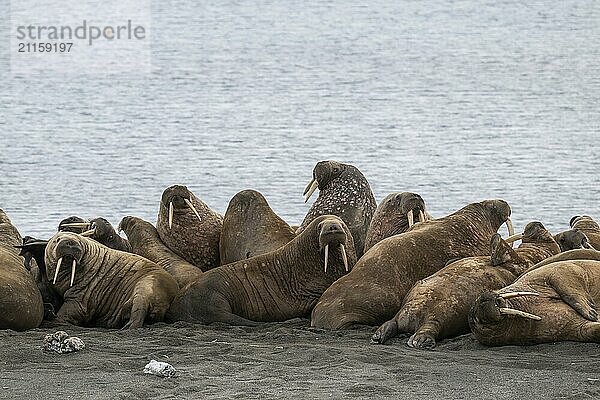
{"points": [[144, 240], [73, 224], [21, 305], [588, 226], [107, 288], [438, 306], [103, 232], [189, 227], [251, 228], [552, 303], [569, 255], [572, 239], [345, 192], [276, 286], [394, 215], [373, 292]]}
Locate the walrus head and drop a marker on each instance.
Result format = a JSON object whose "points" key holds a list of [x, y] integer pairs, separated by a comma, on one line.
{"points": [[73, 224], [572, 239], [68, 250], [247, 200], [323, 174], [178, 198], [332, 235], [100, 230], [499, 212], [584, 222]]}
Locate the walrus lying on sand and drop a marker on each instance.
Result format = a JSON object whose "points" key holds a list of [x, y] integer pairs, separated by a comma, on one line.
{"points": [[276, 286], [21, 305], [345, 192], [552, 303], [188, 227], [396, 213], [144, 240], [251, 228], [438, 306], [375, 289], [107, 288]]}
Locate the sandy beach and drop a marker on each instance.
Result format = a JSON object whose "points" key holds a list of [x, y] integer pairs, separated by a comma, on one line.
{"points": [[288, 360]]}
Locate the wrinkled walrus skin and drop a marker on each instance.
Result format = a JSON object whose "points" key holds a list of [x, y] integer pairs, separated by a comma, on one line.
{"points": [[251, 228], [556, 302], [283, 284], [21, 305], [343, 191], [438, 306], [188, 227], [144, 240], [110, 288], [373, 292]]}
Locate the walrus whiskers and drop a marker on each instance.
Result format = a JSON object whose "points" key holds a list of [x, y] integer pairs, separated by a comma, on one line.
{"points": [[310, 189], [57, 268], [411, 219], [189, 203], [343, 249], [511, 295], [170, 214], [326, 256], [519, 313], [73, 272]]}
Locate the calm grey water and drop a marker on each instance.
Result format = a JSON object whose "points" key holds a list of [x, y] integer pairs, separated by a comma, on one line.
{"points": [[459, 101]]}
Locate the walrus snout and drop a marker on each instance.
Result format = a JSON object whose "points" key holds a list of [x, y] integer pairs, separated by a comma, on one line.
{"points": [[500, 210], [68, 250], [571, 239], [323, 173], [332, 233]]}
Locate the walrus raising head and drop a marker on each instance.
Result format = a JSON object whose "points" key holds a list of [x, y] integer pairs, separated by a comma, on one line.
{"points": [[68, 251], [178, 197], [73, 224], [331, 233], [395, 214], [572, 239], [103, 232]]}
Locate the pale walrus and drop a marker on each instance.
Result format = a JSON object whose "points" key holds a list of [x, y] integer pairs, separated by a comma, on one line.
{"points": [[373, 292], [251, 228], [276, 286], [572, 239], [438, 306], [394, 215], [189, 227], [102, 287], [553, 303], [21, 305], [144, 240], [345, 192], [588, 226]]}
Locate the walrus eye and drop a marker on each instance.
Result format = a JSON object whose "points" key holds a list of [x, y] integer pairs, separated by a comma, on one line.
{"points": [[336, 170], [110, 237]]}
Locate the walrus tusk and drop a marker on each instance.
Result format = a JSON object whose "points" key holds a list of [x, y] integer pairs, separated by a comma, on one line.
{"points": [[343, 249], [411, 220], [587, 245], [73, 272], [85, 225], [509, 225], [170, 215], [89, 232], [189, 203], [326, 256], [310, 189], [519, 313], [57, 268], [514, 238], [422, 216], [511, 295]]}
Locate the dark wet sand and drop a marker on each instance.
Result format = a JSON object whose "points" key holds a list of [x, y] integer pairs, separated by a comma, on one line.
{"points": [[288, 360]]}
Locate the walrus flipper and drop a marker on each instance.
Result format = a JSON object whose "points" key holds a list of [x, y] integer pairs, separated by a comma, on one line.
{"points": [[424, 337], [573, 292], [392, 328]]}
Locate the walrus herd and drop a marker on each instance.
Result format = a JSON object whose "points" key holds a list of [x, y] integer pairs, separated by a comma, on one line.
{"points": [[350, 262]]}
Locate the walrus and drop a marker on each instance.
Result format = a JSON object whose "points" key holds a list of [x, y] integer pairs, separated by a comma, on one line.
{"points": [[21, 305], [275, 286], [588, 226], [552, 303], [103, 232], [343, 191], [102, 287], [144, 240], [189, 227], [251, 228], [572, 239], [35, 249], [438, 306], [73, 224], [395, 214], [569, 255], [373, 292]]}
